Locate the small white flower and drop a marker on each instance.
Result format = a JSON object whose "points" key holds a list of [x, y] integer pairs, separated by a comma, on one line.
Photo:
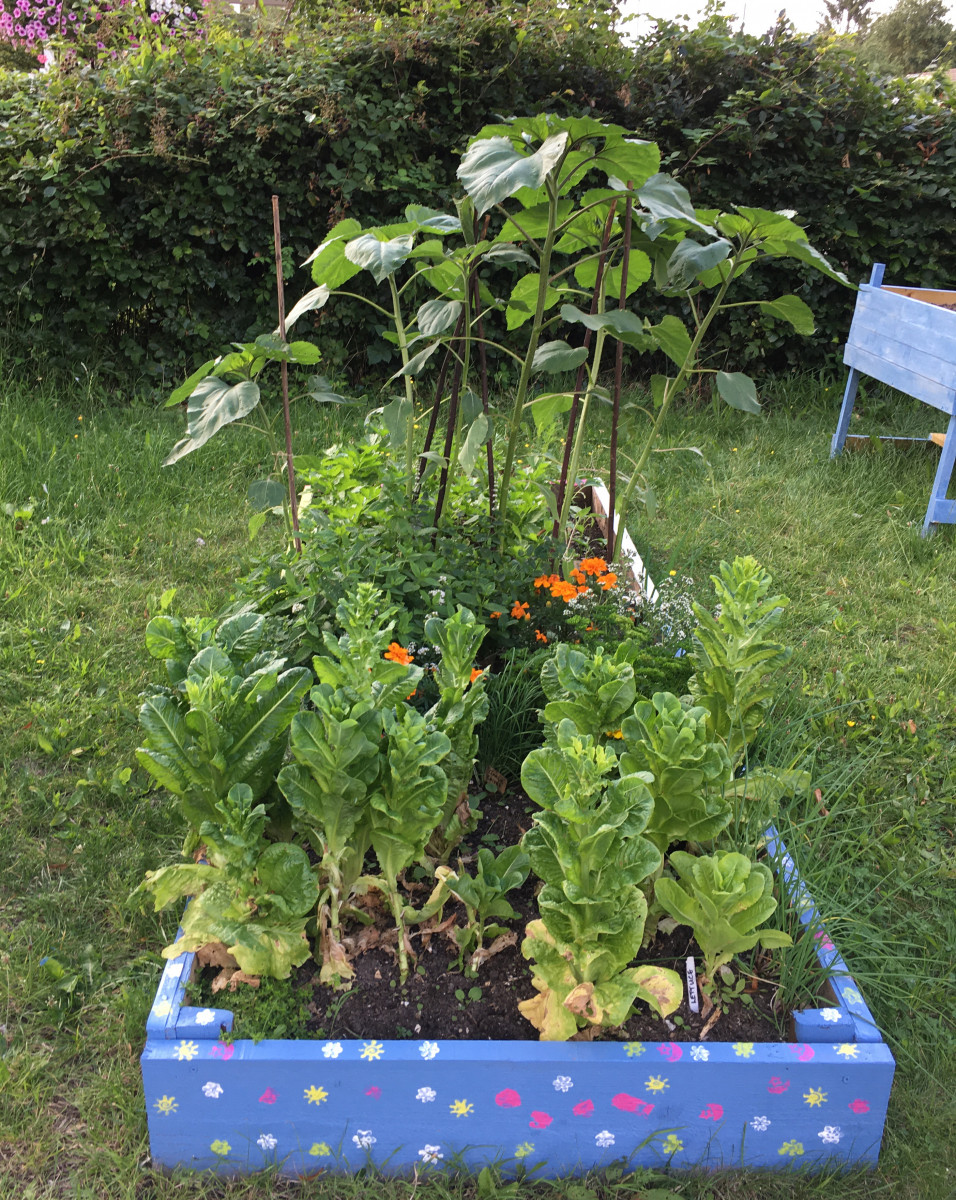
{"points": [[699, 1053], [562, 1083], [363, 1139], [332, 1049], [831, 1134], [200, 541], [831, 1014], [266, 1141], [430, 1154], [425, 1094], [604, 1138], [206, 1017], [428, 1050], [212, 1090], [760, 1124]]}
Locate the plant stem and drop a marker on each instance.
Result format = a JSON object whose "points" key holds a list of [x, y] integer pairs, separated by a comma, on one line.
{"points": [[280, 290], [409, 392], [618, 372]]}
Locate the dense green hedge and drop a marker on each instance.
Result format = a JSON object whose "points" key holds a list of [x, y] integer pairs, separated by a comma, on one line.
{"points": [[135, 224]]}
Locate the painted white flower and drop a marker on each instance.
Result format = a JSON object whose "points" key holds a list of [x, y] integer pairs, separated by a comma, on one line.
{"points": [[428, 1050], [562, 1083], [212, 1089], [604, 1138], [425, 1094], [831, 1134], [205, 1017], [332, 1049], [266, 1141], [760, 1124], [700, 1053], [831, 1014], [430, 1154], [363, 1139]]}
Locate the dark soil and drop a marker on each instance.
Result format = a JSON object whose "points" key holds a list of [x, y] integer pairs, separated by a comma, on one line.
{"points": [[439, 1002]]}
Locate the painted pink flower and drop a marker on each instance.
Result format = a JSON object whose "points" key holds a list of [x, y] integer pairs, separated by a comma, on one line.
{"points": [[509, 1098], [859, 1106], [713, 1112], [584, 1109], [539, 1120], [268, 1097], [777, 1086], [671, 1051], [374, 1092], [804, 1053]]}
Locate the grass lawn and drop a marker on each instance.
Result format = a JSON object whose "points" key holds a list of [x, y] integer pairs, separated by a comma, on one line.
{"points": [[97, 532]]}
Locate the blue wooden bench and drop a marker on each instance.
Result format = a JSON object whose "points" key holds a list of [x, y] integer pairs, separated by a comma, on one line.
{"points": [[906, 337]]}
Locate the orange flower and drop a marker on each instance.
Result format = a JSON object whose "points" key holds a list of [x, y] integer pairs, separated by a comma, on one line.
{"points": [[582, 589], [520, 609], [540, 636], [395, 653], [593, 566], [475, 674], [614, 733], [495, 615], [578, 576], [544, 581], [563, 590], [411, 695], [607, 581]]}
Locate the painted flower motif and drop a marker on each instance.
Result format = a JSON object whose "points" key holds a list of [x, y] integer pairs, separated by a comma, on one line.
{"points": [[848, 1049], [562, 1083], [672, 1145], [604, 1139], [815, 1097], [426, 1095], [700, 1053], [166, 1105], [186, 1051], [162, 1008], [656, 1084], [760, 1124], [743, 1049], [267, 1141], [428, 1050], [205, 1017], [831, 1014], [220, 1147], [852, 996], [830, 1134], [371, 1051], [523, 1149], [398, 654], [332, 1049], [315, 1095], [461, 1108], [793, 1148], [634, 1049], [430, 1154], [320, 1149], [212, 1089], [363, 1139]]}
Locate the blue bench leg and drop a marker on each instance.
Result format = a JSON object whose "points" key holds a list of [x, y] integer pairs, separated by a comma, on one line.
{"points": [[941, 510], [843, 425]]}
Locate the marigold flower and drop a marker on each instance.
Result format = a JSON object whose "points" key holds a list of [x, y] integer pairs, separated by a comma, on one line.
{"points": [[476, 673], [607, 581], [582, 589], [520, 609], [494, 616], [614, 733], [395, 653], [542, 581], [593, 566], [540, 636], [564, 590], [578, 576]]}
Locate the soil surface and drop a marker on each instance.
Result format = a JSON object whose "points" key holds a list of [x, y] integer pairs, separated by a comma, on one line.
{"points": [[438, 1001]]}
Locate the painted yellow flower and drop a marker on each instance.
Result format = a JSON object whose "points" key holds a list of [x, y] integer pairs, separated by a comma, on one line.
{"points": [[743, 1049], [315, 1095], [166, 1105], [815, 1097], [793, 1148], [220, 1147], [320, 1149], [848, 1049], [656, 1084], [634, 1049], [372, 1050], [186, 1051], [672, 1145], [524, 1149], [461, 1108]]}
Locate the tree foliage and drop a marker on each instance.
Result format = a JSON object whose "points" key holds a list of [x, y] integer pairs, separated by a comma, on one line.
{"points": [[909, 39]]}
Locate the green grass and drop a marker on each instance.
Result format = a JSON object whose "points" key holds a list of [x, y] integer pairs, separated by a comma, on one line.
{"points": [[866, 706]]}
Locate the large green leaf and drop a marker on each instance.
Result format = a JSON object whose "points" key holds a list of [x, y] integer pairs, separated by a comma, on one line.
{"points": [[629, 159], [690, 260], [185, 390], [620, 323], [316, 298], [167, 756], [479, 432], [435, 316], [667, 200], [546, 407], [638, 272], [738, 390], [558, 356], [329, 264], [792, 309], [213, 403], [524, 300], [382, 258], [671, 336], [284, 869], [492, 169]]}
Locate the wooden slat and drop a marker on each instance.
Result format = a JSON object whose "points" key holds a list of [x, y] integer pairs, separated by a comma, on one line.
{"points": [[907, 320], [927, 295], [937, 438], [930, 391]]}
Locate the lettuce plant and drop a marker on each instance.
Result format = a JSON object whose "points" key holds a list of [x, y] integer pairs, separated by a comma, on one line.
{"points": [[594, 690], [224, 719], [587, 847], [252, 895], [483, 896], [723, 897], [672, 742]]}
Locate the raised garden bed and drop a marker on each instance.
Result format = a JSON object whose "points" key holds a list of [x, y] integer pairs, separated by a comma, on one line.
{"points": [[562, 1107]]}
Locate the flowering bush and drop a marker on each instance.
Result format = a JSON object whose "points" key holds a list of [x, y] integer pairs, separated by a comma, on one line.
{"points": [[89, 29]]}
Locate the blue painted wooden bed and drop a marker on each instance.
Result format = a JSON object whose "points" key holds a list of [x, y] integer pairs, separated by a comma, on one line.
{"points": [[906, 337]]}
